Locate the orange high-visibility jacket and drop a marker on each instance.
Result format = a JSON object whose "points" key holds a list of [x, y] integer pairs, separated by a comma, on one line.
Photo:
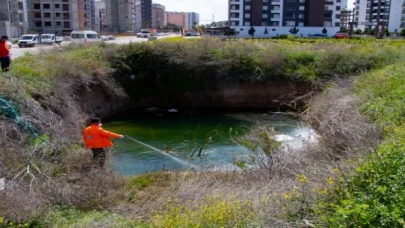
{"points": [[96, 137], [4, 51]]}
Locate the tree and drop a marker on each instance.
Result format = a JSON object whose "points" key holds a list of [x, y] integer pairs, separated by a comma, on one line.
{"points": [[367, 31], [266, 32], [402, 33], [324, 31], [252, 31], [387, 32], [358, 31], [294, 30]]}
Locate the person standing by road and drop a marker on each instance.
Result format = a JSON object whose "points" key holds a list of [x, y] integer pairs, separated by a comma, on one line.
{"points": [[4, 54], [97, 139]]}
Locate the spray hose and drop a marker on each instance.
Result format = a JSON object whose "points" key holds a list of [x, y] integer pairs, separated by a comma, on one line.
{"points": [[164, 153]]}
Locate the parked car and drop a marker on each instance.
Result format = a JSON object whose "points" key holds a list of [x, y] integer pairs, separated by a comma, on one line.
{"points": [[103, 38], [111, 37], [28, 40], [318, 36], [341, 35], [51, 39]]}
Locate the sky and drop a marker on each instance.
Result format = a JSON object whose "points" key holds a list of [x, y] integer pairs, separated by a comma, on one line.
{"points": [[206, 8]]}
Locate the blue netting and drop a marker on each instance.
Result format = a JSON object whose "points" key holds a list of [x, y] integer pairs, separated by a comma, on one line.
{"points": [[10, 110]]}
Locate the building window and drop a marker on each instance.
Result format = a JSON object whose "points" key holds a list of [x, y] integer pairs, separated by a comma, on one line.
{"points": [[58, 23], [247, 7], [38, 24], [290, 23], [57, 6], [301, 24], [37, 15], [300, 16], [327, 24], [37, 6], [65, 7], [337, 24], [48, 23], [301, 8], [247, 23], [46, 6], [247, 15], [337, 16], [265, 0], [265, 7], [264, 15], [338, 8], [276, 16], [47, 15], [264, 23], [57, 14], [276, 8], [66, 24]]}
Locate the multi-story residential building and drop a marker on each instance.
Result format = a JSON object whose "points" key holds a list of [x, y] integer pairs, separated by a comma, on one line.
{"points": [[60, 17], [146, 13], [176, 18], [12, 18], [311, 16], [192, 20], [121, 15], [186, 20], [101, 16], [158, 16], [371, 12], [138, 16]]}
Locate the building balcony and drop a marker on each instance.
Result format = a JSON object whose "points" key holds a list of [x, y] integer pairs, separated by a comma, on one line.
{"points": [[275, 10], [235, 18], [275, 19], [234, 10]]}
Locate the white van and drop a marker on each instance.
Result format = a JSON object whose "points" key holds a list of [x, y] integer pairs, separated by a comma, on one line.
{"points": [[84, 37], [28, 40]]}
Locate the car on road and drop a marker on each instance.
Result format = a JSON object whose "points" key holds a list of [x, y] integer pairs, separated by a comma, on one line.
{"points": [[103, 38], [28, 40], [111, 37], [51, 39], [145, 33], [84, 37]]}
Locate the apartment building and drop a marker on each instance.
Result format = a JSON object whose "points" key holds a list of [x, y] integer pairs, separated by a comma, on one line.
{"points": [[192, 19], [121, 15], [101, 16], [311, 16], [60, 17], [158, 16], [176, 18], [146, 13], [370, 12], [187, 20], [12, 18]]}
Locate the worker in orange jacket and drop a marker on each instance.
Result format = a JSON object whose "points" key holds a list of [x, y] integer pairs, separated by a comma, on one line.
{"points": [[4, 54], [97, 139]]}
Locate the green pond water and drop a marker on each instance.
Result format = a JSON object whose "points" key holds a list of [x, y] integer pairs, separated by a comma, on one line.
{"points": [[179, 135]]}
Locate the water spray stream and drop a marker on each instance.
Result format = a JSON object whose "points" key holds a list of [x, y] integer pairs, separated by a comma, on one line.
{"points": [[164, 153]]}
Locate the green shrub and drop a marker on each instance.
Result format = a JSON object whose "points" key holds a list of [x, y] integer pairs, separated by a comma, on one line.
{"points": [[374, 196]]}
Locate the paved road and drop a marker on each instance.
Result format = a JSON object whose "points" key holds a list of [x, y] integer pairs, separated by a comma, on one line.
{"points": [[18, 52]]}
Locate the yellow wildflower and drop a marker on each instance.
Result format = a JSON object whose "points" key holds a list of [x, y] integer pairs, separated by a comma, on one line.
{"points": [[302, 178], [286, 196], [335, 170], [330, 181]]}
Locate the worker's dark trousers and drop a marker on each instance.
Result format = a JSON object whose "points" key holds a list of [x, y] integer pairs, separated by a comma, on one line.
{"points": [[99, 157]]}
